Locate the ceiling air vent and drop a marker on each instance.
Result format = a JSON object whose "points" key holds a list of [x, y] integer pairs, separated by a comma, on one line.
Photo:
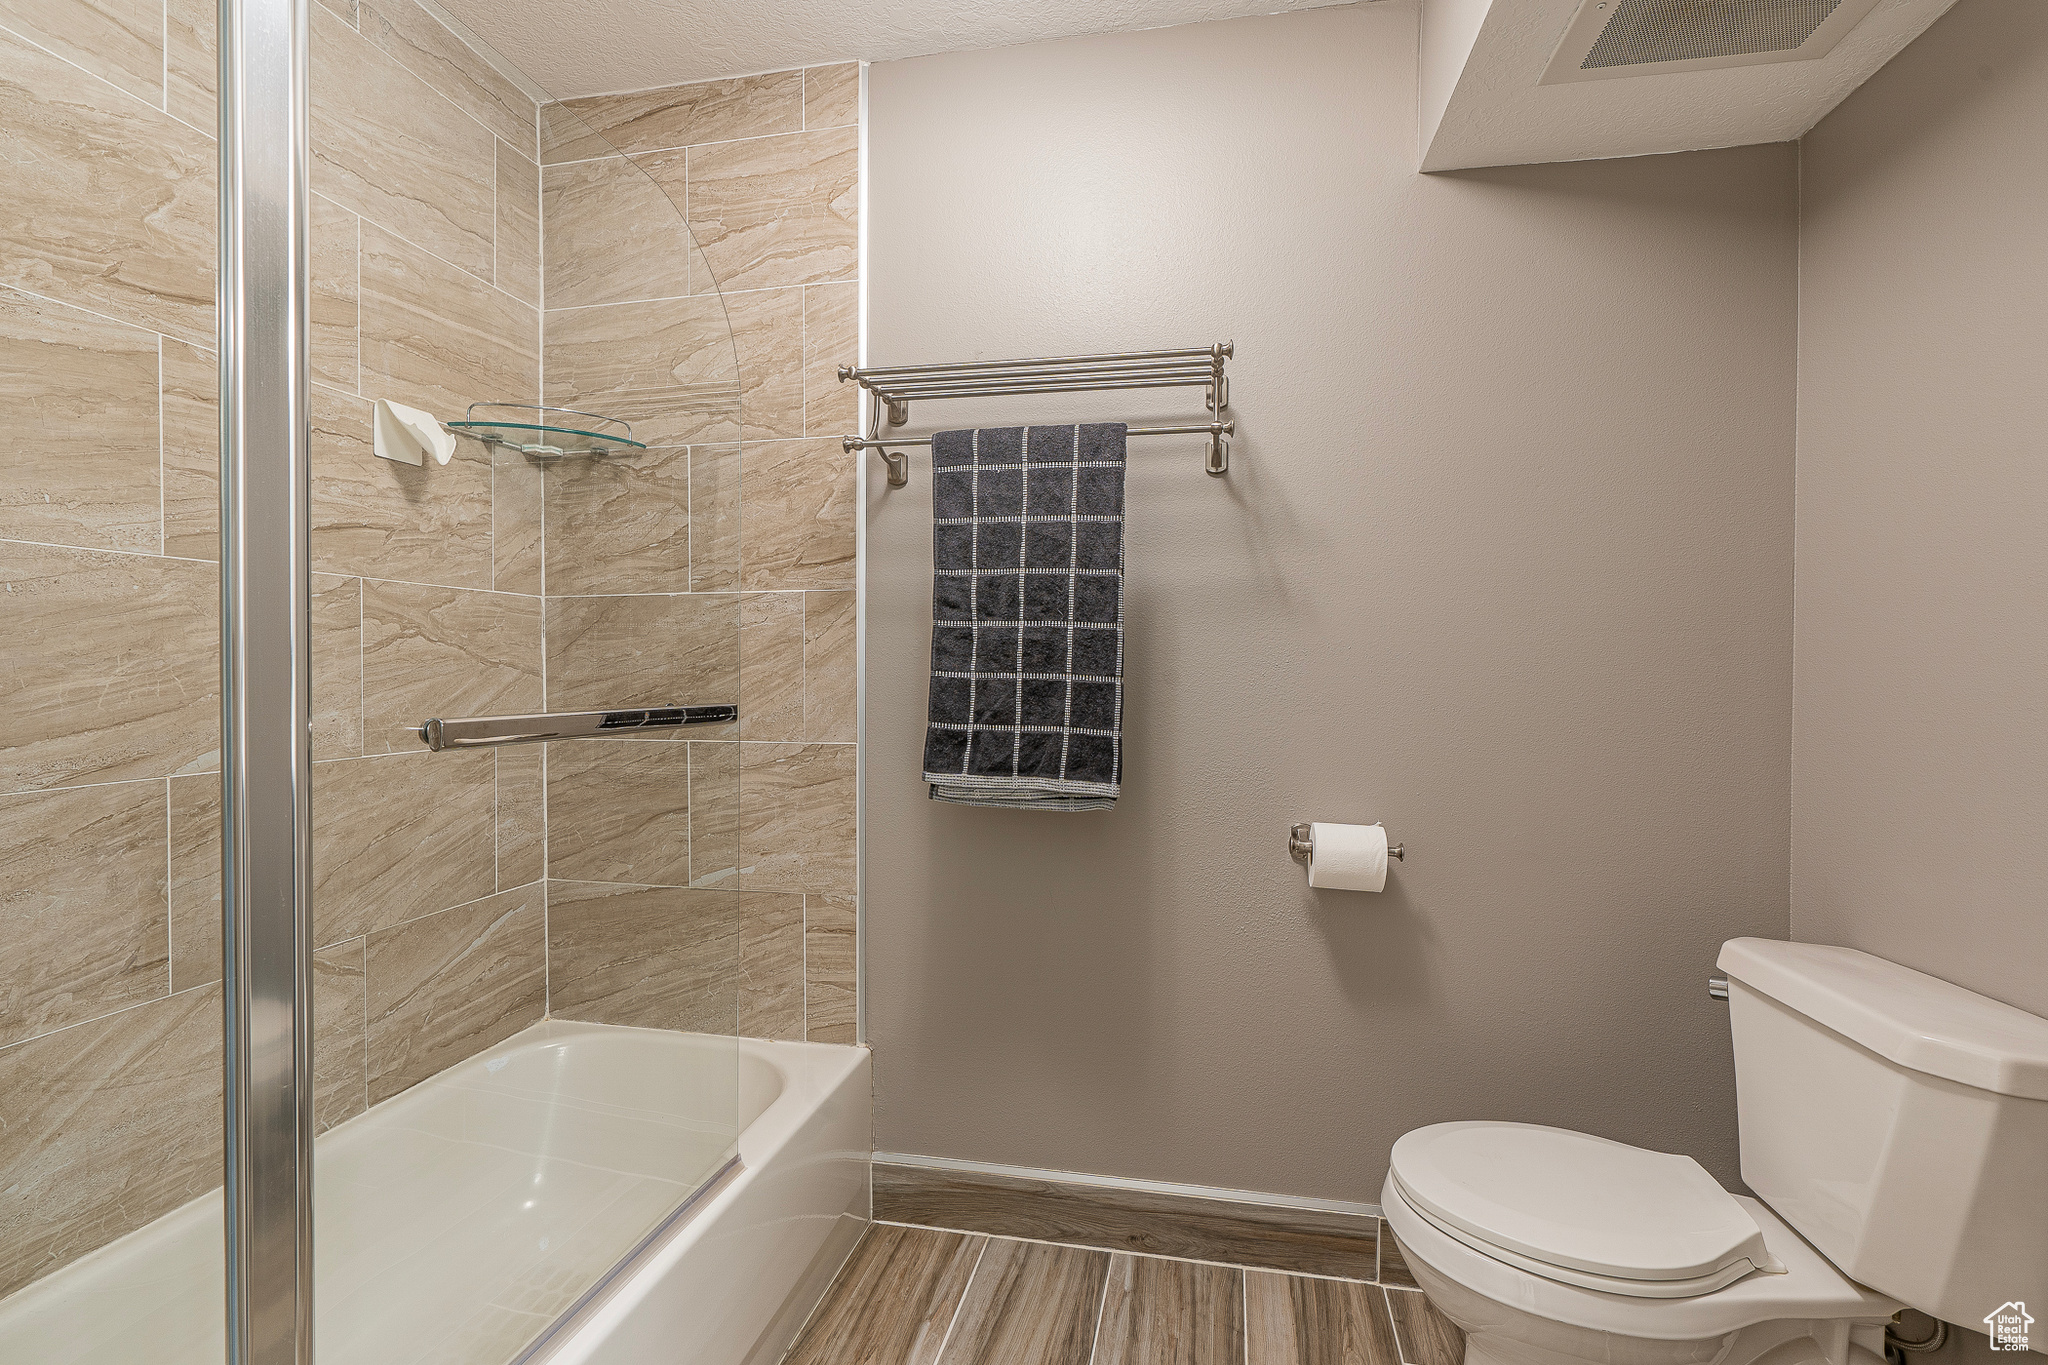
{"points": [[1609, 38]]}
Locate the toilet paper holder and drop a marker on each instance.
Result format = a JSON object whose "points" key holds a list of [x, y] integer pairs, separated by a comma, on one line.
{"points": [[1301, 842]]}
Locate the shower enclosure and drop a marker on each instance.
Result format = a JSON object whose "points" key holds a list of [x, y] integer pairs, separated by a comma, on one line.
{"points": [[309, 1029]]}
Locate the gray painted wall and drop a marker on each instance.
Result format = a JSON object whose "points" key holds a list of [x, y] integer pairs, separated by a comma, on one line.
{"points": [[1504, 560], [1920, 746]]}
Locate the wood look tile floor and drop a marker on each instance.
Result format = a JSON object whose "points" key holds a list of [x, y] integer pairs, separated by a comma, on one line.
{"points": [[921, 1296]]}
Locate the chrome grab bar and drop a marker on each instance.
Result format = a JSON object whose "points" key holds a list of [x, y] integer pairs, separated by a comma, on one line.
{"points": [[475, 732]]}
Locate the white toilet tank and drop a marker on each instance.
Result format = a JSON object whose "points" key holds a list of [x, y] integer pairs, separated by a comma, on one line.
{"points": [[1899, 1122]]}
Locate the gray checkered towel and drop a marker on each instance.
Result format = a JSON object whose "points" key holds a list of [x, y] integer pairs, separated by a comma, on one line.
{"points": [[1027, 617]]}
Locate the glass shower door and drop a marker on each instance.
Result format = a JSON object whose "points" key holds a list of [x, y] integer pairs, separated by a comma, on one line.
{"points": [[110, 959], [472, 972], [510, 939]]}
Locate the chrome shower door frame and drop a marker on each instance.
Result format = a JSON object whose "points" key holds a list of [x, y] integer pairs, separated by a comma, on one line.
{"points": [[266, 702]]}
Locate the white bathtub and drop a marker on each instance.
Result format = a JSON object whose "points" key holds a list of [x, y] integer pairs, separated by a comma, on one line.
{"points": [[464, 1221]]}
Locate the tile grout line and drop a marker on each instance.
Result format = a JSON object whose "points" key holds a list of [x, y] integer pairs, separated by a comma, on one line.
{"points": [[693, 146], [163, 541], [1394, 1326], [960, 1305], [53, 301], [1101, 1308], [366, 1024], [170, 911], [704, 297], [362, 667], [102, 1018]]}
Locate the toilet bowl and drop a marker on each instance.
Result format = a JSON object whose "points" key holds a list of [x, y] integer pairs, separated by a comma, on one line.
{"points": [[1796, 1309], [1893, 1126]]}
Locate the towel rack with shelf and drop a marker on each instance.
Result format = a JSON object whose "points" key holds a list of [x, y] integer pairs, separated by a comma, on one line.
{"points": [[892, 389]]}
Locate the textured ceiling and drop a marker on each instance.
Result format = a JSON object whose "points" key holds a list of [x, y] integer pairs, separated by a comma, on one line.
{"points": [[591, 47]]}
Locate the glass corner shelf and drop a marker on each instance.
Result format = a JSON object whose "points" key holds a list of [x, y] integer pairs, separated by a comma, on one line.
{"points": [[546, 433]]}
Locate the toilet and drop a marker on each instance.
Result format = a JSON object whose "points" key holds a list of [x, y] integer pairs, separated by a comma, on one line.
{"points": [[1894, 1128]]}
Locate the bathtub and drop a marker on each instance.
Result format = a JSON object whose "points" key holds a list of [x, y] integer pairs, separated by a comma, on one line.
{"points": [[579, 1194]]}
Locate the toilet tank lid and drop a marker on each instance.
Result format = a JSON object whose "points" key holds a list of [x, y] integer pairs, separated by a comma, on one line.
{"points": [[1921, 1022]]}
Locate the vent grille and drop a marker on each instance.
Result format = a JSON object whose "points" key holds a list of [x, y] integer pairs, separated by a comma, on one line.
{"points": [[1643, 31]]}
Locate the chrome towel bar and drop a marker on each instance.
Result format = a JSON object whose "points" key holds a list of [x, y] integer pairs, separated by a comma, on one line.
{"points": [[475, 732]]}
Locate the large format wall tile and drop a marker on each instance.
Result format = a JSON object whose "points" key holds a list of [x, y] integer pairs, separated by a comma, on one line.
{"points": [[606, 652], [443, 988], [522, 815], [516, 262], [831, 667], [773, 211], [659, 957], [831, 339], [191, 459], [400, 837], [113, 666], [444, 652], [831, 988], [714, 813], [613, 235], [619, 811], [425, 523], [619, 524], [425, 46], [676, 116], [714, 518], [334, 238], [80, 393], [518, 522], [772, 665], [438, 338], [109, 1125], [105, 202], [191, 62], [337, 666], [195, 880], [389, 146], [120, 41], [771, 972], [832, 95], [340, 1038], [82, 913], [797, 522], [768, 338], [667, 367], [797, 817]]}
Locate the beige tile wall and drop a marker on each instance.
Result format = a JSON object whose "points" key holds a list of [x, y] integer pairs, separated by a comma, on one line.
{"points": [[428, 897], [704, 883], [701, 282]]}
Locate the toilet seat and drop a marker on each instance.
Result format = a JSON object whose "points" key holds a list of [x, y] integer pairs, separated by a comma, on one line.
{"points": [[1811, 1289], [1580, 1209]]}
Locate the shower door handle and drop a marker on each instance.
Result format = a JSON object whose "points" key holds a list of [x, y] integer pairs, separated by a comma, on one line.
{"points": [[476, 732]]}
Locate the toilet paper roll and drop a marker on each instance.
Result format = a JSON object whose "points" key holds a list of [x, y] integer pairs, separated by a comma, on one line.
{"points": [[409, 435], [1348, 857]]}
